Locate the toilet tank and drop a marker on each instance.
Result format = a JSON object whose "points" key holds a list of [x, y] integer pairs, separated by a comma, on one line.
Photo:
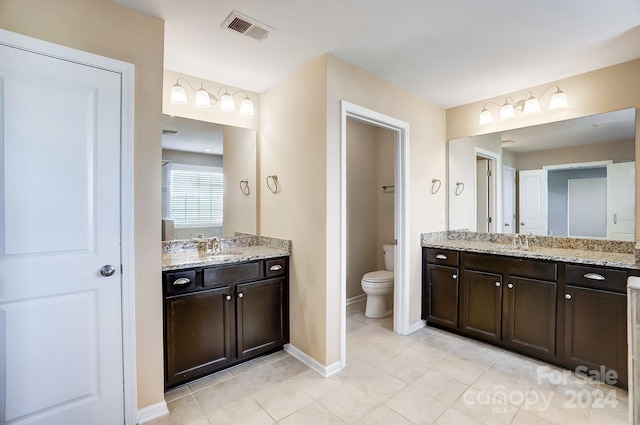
{"points": [[389, 257]]}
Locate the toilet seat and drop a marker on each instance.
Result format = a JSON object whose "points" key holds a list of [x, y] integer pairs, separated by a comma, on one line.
{"points": [[378, 279]]}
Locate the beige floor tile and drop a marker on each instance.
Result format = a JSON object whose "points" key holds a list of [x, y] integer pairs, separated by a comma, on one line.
{"points": [[416, 406], [465, 371], [353, 324], [485, 408], [183, 411], [452, 416], [383, 415], [555, 407], [261, 378], [525, 418], [440, 387], [503, 386], [356, 308], [176, 393], [289, 367], [404, 369], [245, 411], [372, 381], [445, 341], [247, 366], [421, 353], [220, 395], [312, 414], [207, 381], [348, 403], [273, 357], [283, 400]]}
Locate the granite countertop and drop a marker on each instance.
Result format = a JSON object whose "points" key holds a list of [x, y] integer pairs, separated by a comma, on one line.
{"points": [[598, 253], [184, 254]]}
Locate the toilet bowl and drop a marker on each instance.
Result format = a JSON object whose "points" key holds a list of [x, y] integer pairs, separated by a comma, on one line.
{"points": [[378, 285]]}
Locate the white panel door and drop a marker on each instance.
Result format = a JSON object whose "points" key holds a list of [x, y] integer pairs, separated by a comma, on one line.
{"points": [[587, 207], [621, 201], [482, 195], [533, 202], [61, 359], [508, 200]]}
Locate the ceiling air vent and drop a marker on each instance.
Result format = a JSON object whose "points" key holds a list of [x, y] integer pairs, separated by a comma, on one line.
{"points": [[242, 24]]}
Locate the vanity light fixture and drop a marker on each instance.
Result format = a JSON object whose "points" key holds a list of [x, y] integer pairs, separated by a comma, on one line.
{"points": [[204, 99], [528, 105]]}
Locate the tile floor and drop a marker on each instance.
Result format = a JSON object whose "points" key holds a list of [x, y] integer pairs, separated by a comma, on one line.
{"points": [[428, 377]]}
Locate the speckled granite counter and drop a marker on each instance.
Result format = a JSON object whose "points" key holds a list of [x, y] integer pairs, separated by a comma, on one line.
{"points": [[573, 250], [182, 254]]}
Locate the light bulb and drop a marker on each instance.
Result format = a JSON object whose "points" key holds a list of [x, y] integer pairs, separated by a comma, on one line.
{"points": [[203, 100], [226, 103], [485, 117], [558, 100], [246, 107], [178, 95]]}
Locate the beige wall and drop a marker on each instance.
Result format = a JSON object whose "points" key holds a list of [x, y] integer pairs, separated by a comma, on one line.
{"points": [[604, 90], [108, 29], [427, 149], [240, 210], [362, 219], [618, 151], [293, 147], [385, 212]]}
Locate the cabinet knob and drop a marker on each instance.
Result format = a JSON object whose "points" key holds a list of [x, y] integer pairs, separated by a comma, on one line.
{"points": [[510, 286], [227, 297], [240, 294], [567, 296], [498, 284], [455, 276]]}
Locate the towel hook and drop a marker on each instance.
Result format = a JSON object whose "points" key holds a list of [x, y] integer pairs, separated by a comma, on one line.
{"points": [[272, 183], [244, 187], [459, 188], [435, 186]]}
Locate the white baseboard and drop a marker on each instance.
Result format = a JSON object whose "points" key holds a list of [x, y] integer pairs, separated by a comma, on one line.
{"points": [[418, 325], [149, 413], [356, 299], [325, 371]]}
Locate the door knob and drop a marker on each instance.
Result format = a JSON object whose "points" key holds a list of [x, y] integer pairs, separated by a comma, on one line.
{"points": [[107, 270]]}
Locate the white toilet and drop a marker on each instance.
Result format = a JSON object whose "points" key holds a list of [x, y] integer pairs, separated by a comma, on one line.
{"points": [[378, 286]]}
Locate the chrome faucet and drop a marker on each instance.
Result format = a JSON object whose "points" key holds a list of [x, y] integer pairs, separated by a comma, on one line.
{"points": [[215, 245]]}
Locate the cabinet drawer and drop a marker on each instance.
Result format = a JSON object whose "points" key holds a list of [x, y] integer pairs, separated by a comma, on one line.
{"points": [[225, 275], [275, 267], [443, 257], [596, 277], [530, 269], [180, 281]]}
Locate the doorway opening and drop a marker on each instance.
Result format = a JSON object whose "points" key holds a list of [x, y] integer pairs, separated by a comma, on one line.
{"points": [[400, 133]]}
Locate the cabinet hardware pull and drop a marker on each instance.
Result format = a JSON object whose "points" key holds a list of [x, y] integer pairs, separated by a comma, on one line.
{"points": [[594, 276], [240, 294], [510, 286], [182, 281], [275, 267], [441, 257], [497, 283], [455, 276], [227, 297], [567, 296]]}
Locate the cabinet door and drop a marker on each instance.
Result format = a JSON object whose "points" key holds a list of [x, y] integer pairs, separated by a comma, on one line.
{"points": [[481, 304], [197, 334], [261, 320], [530, 316], [442, 295], [596, 330]]}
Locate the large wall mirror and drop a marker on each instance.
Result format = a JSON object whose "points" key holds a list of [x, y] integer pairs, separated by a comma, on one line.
{"points": [[573, 178], [209, 182]]}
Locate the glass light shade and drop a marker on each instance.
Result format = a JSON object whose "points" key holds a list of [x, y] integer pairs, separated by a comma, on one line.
{"points": [[203, 100], [507, 111], [226, 103], [178, 95], [246, 107], [558, 100], [531, 106], [485, 117]]}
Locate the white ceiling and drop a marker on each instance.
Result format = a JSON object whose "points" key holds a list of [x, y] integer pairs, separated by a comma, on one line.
{"points": [[192, 135], [450, 52]]}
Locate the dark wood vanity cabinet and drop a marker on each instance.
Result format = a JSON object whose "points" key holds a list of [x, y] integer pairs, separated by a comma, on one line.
{"points": [[441, 283], [572, 315], [219, 316], [595, 325]]}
